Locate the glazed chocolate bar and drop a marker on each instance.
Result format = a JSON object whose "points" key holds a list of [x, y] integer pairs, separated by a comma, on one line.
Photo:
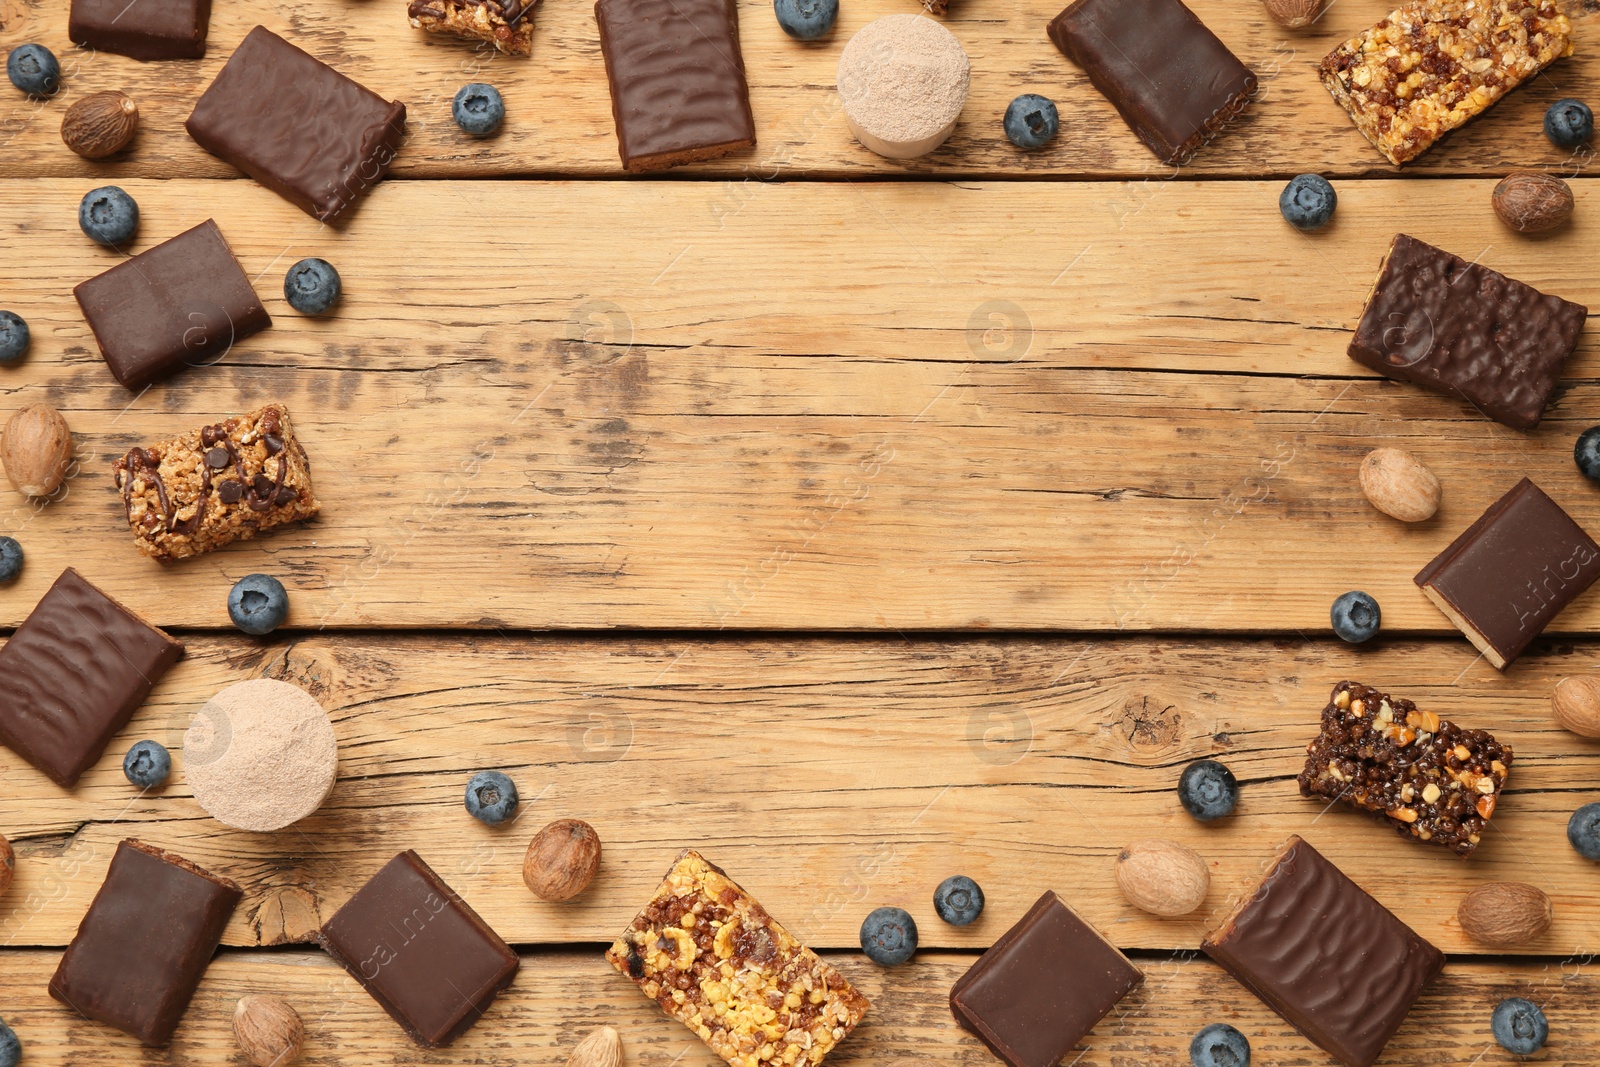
{"points": [[144, 945], [718, 963], [297, 126], [506, 24], [168, 29], [1465, 330], [1435, 65], [1322, 953], [216, 485], [75, 671], [1173, 81], [1512, 572], [1429, 778], [423, 954], [678, 91], [1042, 987], [170, 307]]}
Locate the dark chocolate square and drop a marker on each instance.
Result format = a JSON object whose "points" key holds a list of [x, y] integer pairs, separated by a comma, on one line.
{"points": [[73, 675], [144, 945], [422, 953], [142, 29]]}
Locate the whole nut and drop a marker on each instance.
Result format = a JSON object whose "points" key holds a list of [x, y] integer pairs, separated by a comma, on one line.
{"points": [[268, 1029], [562, 860], [1296, 14], [602, 1048], [100, 125], [36, 450], [1505, 913], [1531, 201], [1163, 877], [1399, 485], [1576, 703], [8, 865]]}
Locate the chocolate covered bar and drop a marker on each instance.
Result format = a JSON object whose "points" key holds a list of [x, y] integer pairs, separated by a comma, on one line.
{"points": [[1462, 329], [1512, 572], [1427, 777], [1043, 986], [143, 947], [1433, 66], [506, 24], [1322, 953], [170, 307], [422, 953], [1174, 83], [678, 91], [714, 960], [221, 483], [74, 673], [297, 126], [141, 29]]}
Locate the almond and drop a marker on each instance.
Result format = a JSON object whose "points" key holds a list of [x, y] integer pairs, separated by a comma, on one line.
{"points": [[602, 1048], [100, 125], [1162, 877], [562, 860], [1296, 14], [36, 450], [8, 865], [1576, 703], [1399, 485], [1505, 913], [1531, 201], [268, 1029]]}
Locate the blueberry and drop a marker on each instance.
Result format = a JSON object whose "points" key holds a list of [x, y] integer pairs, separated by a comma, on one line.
{"points": [[10, 559], [147, 764], [806, 20], [312, 286], [1568, 123], [1307, 202], [33, 69], [491, 797], [478, 109], [1583, 830], [10, 1046], [1355, 617], [1586, 453], [1031, 120], [14, 336], [958, 900], [889, 936], [1208, 790], [1219, 1045], [1519, 1026], [108, 216], [258, 604]]}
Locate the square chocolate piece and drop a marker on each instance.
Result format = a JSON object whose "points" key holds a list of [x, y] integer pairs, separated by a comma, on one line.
{"points": [[422, 953], [506, 24], [678, 91], [75, 671], [1043, 986], [1463, 329], [145, 943], [171, 307], [1510, 573], [297, 126], [142, 29], [1322, 953], [1173, 81]]}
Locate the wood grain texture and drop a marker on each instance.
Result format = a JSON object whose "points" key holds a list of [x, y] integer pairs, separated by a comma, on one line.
{"points": [[559, 108], [1018, 409], [830, 776]]}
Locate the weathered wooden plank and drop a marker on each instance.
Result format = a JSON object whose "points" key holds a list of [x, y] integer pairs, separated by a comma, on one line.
{"points": [[645, 449], [831, 776], [559, 112]]}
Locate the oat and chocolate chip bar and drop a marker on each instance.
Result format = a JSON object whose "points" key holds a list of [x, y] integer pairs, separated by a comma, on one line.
{"points": [[506, 24], [1436, 781], [1435, 65], [219, 484], [713, 958]]}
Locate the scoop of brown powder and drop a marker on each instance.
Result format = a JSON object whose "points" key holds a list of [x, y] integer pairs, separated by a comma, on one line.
{"points": [[903, 80], [260, 755]]}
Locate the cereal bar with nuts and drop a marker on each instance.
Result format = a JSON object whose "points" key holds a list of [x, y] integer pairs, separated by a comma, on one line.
{"points": [[713, 958], [215, 485], [1435, 65], [506, 24], [1432, 779]]}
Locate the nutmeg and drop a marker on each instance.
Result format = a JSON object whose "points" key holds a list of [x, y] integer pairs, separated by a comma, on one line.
{"points": [[1295, 14], [562, 860], [268, 1030], [100, 125], [1576, 703], [1531, 201], [8, 865], [1505, 913], [1163, 877], [602, 1048], [36, 450], [1398, 485]]}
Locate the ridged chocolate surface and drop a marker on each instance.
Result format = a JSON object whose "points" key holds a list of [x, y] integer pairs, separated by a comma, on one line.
{"points": [[142, 29]]}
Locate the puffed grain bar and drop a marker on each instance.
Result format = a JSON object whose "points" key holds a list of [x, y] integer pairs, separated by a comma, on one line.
{"points": [[506, 24]]}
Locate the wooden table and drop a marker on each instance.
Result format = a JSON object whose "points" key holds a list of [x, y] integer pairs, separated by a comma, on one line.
{"points": [[859, 523]]}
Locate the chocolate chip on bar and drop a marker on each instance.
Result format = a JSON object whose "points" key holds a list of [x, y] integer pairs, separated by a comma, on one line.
{"points": [[718, 963], [216, 485], [1428, 777], [506, 24], [1435, 65]]}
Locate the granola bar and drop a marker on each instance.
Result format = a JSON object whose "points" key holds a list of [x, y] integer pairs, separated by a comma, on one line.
{"points": [[506, 24], [219, 484], [718, 963], [1436, 781], [1435, 65]]}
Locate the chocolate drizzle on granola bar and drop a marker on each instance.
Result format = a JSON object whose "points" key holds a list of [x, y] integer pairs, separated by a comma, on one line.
{"points": [[259, 493]]}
